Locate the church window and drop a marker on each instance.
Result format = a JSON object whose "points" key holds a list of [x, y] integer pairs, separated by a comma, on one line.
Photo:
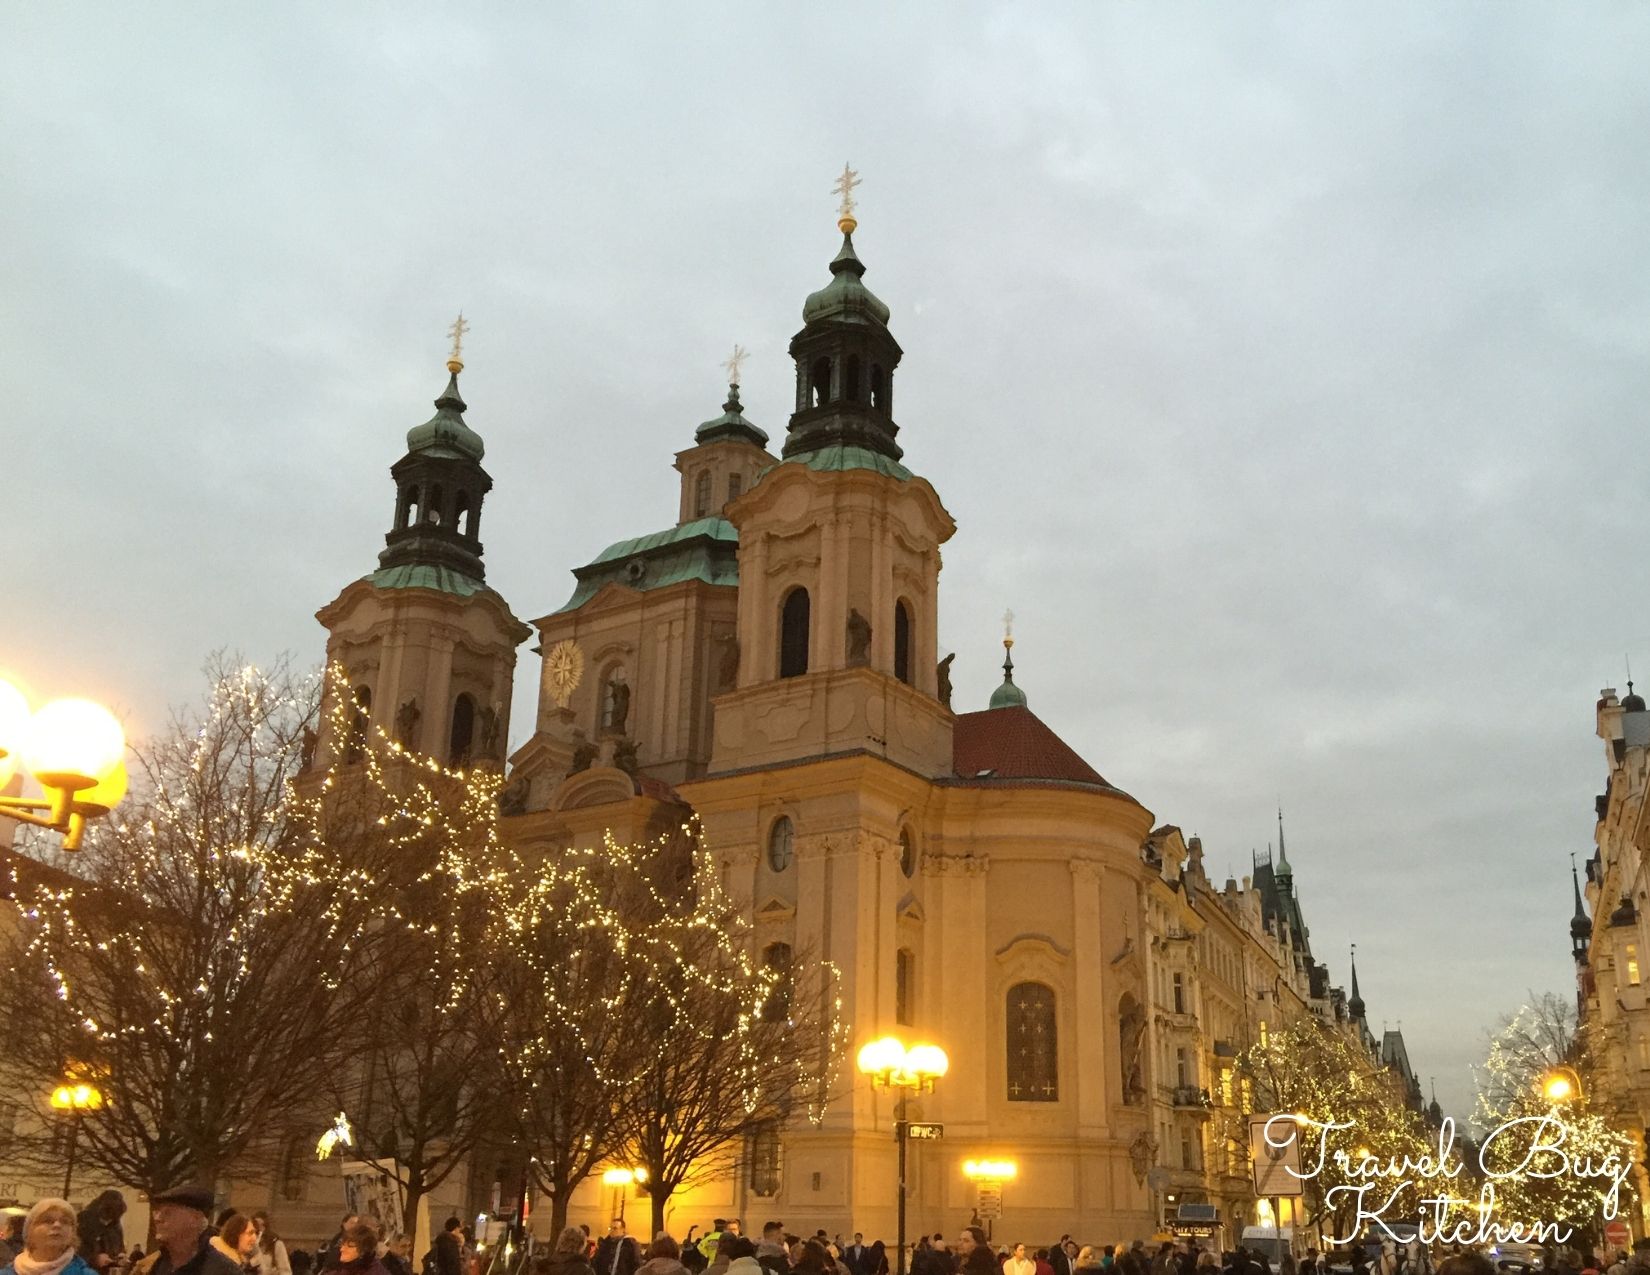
{"points": [[736, 484], [462, 734], [615, 701], [1632, 963], [879, 388], [819, 382], [902, 642], [793, 634], [701, 495], [905, 985], [850, 379], [360, 719], [461, 519], [764, 1159], [907, 852], [781, 844], [1033, 1046], [776, 957], [408, 513]]}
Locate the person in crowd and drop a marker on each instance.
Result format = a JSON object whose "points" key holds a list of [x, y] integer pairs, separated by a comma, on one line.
{"points": [[358, 1250], [1468, 1263], [11, 1243], [179, 1219], [770, 1253], [236, 1239], [712, 1238], [1059, 1259], [854, 1255], [303, 1261], [741, 1255], [1018, 1263], [327, 1258], [567, 1257], [395, 1256], [1087, 1260], [692, 1256], [449, 1248], [974, 1256], [876, 1259], [1044, 1266], [617, 1254], [50, 1230], [664, 1257], [102, 1240], [270, 1255]]}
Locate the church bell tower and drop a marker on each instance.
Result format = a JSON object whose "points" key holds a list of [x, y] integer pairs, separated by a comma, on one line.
{"points": [[429, 650]]}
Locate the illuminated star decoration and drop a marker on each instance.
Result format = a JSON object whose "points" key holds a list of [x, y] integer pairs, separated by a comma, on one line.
{"points": [[340, 1134]]}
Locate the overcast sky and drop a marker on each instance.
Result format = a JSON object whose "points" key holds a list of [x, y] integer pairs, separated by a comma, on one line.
{"points": [[1284, 368]]}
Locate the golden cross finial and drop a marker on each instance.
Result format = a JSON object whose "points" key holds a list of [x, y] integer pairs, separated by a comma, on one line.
{"points": [[1008, 628], [845, 212], [738, 356], [455, 360]]}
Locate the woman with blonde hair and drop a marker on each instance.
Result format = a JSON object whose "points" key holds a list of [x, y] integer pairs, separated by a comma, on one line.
{"points": [[49, 1237]]}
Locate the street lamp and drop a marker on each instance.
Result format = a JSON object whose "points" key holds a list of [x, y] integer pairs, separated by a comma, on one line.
{"points": [[620, 1180], [891, 1065], [988, 1177], [75, 1097], [1561, 1084], [73, 748]]}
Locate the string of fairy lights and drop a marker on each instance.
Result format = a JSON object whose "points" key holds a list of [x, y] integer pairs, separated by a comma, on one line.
{"points": [[241, 829]]}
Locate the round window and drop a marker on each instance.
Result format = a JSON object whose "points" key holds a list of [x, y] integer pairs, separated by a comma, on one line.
{"points": [[781, 843], [907, 852]]}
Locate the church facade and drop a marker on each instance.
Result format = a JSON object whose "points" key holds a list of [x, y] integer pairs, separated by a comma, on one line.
{"points": [[770, 664]]}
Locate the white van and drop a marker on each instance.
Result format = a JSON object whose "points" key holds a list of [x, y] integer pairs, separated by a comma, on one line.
{"points": [[1273, 1241]]}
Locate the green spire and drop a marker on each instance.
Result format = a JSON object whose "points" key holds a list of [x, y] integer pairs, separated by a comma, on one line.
{"points": [[846, 298], [445, 434], [1008, 695], [1283, 869], [731, 424]]}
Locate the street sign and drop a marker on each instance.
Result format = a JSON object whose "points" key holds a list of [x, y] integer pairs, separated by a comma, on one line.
{"points": [[1275, 1168], [1616, 1234], [990, 1204], [925, 1130]]}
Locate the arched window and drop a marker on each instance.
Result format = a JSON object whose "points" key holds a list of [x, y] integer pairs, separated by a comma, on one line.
{"points": [[615, 701], [850, 379], [461, 520], [781, 844], [1033, 1045], [463, 730], [819, 383], [902, 642], [432, 514], [764, 1158], [879, 388], [701, 495], [905, 986], [777, 958], [408, 513], [736, 484], [793, 634], [360, 719], [907, 852]]}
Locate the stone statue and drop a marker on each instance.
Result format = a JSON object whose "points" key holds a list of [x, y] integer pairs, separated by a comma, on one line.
{"points": [[584, 754], [1142, 1151], [406, 723], [727, 672], [306, 751], [489, 732], [859, 639], [618, 704], [513, 799], [1131, 1036], [624, 756], [942, 675]]}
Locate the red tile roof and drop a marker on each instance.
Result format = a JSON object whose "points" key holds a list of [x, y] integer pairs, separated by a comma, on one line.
{"points": [[1013, 743]]}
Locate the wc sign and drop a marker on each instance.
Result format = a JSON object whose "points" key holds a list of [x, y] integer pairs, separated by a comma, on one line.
{"points": [[1275, 1155]]}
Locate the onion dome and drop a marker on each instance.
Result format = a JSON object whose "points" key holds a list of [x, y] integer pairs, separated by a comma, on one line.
{"points": [[445, 434], [731, 424], [1632, 702], [846, 298], [1008, 695]]}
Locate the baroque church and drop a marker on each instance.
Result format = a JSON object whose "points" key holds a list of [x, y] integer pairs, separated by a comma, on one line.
{"points": [[770, 664]]}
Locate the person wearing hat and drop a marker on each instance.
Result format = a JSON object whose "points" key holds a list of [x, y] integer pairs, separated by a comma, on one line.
{"points": [[49, 1235], [178, 1218]]}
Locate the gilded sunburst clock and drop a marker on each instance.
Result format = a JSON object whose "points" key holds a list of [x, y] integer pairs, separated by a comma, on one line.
{"points": [[563, 667]]}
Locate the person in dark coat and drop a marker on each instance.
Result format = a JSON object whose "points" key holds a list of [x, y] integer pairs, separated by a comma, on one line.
{"points": [[178, 1218], [102, 1241], [449, 1248], [567, 1257], [617, 1254], [358, 1250], [327, 1258]]}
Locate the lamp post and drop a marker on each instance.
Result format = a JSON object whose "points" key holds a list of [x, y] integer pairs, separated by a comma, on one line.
{"points": [[891, 1065], [1561, 1084], [620, 1180], [73, 749], [988, 1177], [75, 1097]]}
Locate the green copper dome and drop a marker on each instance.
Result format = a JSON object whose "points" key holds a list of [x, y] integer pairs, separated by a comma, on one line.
{"points": [[731, 424], [445, 433], [1008, 695], [845, 297]]}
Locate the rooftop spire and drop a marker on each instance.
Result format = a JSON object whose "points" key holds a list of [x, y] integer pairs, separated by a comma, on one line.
{"points": [[731, 424], [1355, 1002], [1581, 929], [1283, 868], [1008, 695]]}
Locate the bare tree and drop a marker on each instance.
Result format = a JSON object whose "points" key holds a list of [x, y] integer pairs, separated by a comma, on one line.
{"points": [[206, 974]]}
